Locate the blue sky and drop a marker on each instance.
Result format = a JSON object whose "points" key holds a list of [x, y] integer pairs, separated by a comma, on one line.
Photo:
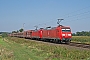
{"points": [[14, 13]]}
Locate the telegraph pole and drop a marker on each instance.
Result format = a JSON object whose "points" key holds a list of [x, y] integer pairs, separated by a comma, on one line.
{"points": [[23, 26]]}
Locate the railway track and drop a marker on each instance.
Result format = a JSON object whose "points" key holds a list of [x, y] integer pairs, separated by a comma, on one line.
{"points": [[74, 44], [82, 45]]}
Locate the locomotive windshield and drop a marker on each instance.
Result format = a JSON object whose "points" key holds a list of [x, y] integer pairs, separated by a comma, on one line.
{"points": [[66, 30]]}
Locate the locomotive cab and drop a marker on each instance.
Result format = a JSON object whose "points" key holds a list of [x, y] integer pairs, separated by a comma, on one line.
{"points": [[66, 34]]}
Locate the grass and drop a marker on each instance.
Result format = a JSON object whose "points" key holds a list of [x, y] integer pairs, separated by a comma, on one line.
{"points": [[19, 52], [22, 49], [5, 54], [81, 39]]}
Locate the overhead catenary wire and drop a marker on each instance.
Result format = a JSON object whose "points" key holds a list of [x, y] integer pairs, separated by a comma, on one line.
{"points": [[76, 11], [77, 19], [69, 15], [77, 14]]}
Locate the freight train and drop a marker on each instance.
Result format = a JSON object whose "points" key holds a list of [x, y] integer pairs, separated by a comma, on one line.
{"points": [[57, 34]]}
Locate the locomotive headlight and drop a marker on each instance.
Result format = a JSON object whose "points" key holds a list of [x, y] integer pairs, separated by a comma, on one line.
{"points": [[63, 34], [69, 34]]}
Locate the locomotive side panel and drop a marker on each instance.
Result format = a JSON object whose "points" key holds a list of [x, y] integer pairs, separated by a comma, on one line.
{"points": [[44, 34]]}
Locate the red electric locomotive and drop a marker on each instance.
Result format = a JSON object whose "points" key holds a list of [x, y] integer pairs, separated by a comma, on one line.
{"points": [[36, 34], [57, 34]]}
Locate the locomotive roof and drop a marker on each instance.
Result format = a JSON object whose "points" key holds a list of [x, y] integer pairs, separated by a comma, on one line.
{"points": [[64, 27]]}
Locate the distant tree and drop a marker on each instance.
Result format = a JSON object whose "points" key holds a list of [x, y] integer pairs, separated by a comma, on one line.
{"points": [[4, 34], [89, 33], [17, 31], [73, 34], [21, 30], [14, 31], [82, 33], [78, 34]]}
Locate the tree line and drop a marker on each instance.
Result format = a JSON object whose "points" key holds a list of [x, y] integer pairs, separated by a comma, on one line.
{"points": [[20, 30], [5, 34], [82, 33]]}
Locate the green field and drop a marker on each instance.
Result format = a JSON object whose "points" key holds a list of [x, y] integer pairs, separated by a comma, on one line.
{"points": [[21, 49], [81, 39]]}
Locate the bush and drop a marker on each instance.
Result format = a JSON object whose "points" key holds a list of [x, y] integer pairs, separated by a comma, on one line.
{"points": [[4, 34]]}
